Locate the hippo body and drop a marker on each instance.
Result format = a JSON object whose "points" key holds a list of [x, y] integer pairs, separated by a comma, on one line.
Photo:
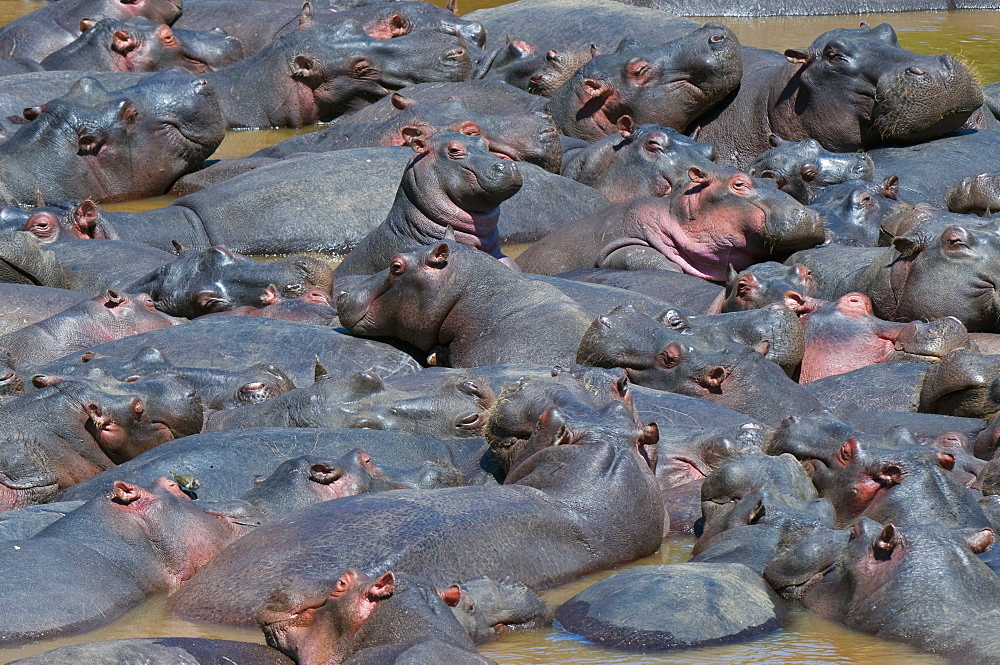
{"points": [[163, 651]]}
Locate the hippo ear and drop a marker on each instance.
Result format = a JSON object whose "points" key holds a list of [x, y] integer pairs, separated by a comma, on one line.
{"points": [[86, 24], [775, 140], [864, 25], [306, 18], [451, 595], [400, 102], [398, 25], [890, 187], [123, 493], [319, 371], [415, 136], [128, 115], [698, 176], [305, 67], [885, 544], [31, 112], [85, 217], [438, 256], [847, 452], [271, 295], [449, 233], [452, 6], [946, 461], [381, 588], [674, 320], [731, 277], [796, 302], [799, 57], [671, 356], [909, 246], [179, 249], [324, 474], [980, 540], [626, 126], [114, 299]]}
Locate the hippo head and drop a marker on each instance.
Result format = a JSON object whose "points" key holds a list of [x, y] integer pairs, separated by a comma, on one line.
{"points": [[63, 220], [671, 84], [463, 172], [181, 537], [765, 283], [156, 11], [316, 622], [853, 211], [26, 474], [132, 417], [217, 279], [936, 273], [523, 66], [979, 195], [863, 89], [487, 608], [122, 314], [801, 168]]}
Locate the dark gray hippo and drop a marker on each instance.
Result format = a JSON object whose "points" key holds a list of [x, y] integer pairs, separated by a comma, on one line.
{"points": [[163, 651]]}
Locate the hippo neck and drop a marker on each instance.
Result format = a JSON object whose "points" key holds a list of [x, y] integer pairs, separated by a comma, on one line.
{"points": [[842, 136], [247, 84], [416, 216]]}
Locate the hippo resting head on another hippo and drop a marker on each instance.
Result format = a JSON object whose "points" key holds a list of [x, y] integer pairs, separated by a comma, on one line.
{"points": [[453, 181], [137, 45], [671, 84], [723, 218], [115, 145], [802, 168]]}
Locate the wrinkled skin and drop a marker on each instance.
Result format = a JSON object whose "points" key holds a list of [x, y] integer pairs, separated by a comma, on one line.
{"points": [[41, 32], [362, 620], [313, 306], [722, 218], [525, 66], [111, 45], [979, 195], [106, 556], [803, 168], [96, 141], [162, 651], [216, 280], [453, 182], [767, 283], [26, 475], [671, 85], [452, 296], [853, 211], [902, 484], [848, 90], [582, 463], [844, 336], [643, 160], [919, 584], [104, 319], [670, 288], [710, 366]]}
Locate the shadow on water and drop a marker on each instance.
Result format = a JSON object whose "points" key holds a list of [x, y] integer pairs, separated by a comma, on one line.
{"points": [[970, 35]]}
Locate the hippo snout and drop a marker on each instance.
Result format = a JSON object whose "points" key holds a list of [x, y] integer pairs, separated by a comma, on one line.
{"points": [[798, 228], [503, 177]]}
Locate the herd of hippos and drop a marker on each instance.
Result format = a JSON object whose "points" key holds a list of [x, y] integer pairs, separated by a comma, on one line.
{"points": [[757, 305]]}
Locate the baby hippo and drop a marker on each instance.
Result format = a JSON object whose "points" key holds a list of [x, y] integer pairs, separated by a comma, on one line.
{"points": [[361, 621], [453, 181]]}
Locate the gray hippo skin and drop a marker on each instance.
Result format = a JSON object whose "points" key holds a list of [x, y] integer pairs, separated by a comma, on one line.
{"points": [[453, 182], [162, 651], [552, 488]]}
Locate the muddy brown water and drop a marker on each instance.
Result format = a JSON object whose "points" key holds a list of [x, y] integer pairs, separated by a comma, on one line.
{"points": [[971, 35]]}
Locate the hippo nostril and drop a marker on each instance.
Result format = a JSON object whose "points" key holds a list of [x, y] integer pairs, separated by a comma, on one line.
{"points": [[455, 54], [715, 39], [916, 71]]}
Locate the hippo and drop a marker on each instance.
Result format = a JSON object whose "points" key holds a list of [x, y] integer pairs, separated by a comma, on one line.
{"points": [[26, 475], [940, 267], [23, 304], [359, 620], [106, 556], [800, 8], [672, 84], [895, 96], [216, 279], [762, 221], [524, 137], [112, 45], [873, 584], [453, 182], [525, 66], [803, 168], [172, 120], [844, 335], [854, 211], [669, 287], [643, 160], [547, 487], [39, 33], [313, 306], [91, 322], [766, 283], [979, 195], [452, 296], [487, 608]]}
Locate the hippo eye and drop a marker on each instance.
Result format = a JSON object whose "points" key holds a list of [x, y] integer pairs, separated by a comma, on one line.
{"points": [[833, 55], [741, 186], [455, 151]]}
